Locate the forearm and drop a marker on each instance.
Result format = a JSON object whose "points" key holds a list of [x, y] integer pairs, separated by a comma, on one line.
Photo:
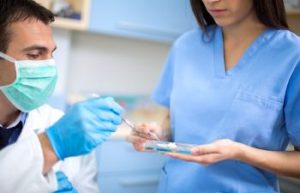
{"points": [[50, 157], [286, 163]]}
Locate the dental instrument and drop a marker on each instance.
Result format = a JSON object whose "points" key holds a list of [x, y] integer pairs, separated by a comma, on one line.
{"points": [[133, 127]]}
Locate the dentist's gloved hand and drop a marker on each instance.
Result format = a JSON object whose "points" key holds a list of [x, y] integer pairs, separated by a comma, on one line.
{"points": [[64, 185], [86, 125]]}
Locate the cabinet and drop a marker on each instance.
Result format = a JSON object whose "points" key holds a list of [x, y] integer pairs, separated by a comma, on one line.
{"points": [[121, 169], [162, 20], [293, 17], [292, 7], [293, 11], [70, 14]]}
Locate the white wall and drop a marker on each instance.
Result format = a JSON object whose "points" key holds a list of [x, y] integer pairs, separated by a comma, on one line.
{"points": [[114, 65], [62, 57]]}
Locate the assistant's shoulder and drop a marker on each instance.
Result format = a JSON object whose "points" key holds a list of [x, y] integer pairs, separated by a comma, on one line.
{"points": [[196, 36], [190, 35], [288, 39]]}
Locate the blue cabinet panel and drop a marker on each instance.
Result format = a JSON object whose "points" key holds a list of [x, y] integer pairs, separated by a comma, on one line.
{"points": [[162, 20], [119, 156], [129, 183], [121, 169]]}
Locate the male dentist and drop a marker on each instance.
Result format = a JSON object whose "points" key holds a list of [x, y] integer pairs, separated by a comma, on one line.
{"points": [[38, 144]]}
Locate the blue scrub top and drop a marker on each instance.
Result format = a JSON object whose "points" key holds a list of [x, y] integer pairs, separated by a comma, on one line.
{"points": [[257, 102]]}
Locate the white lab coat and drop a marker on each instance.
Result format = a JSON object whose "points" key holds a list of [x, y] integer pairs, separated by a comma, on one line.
{"points": [[21, 164]]}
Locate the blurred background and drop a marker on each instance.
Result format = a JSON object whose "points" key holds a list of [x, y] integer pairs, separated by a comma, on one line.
{"points": [[117, 48]]}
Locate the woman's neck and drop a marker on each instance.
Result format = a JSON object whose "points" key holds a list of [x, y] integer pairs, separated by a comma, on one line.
{"points": [[238, 37], [247, 29]]}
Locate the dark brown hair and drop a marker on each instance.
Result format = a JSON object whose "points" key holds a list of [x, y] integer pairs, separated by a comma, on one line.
{"points": [[12, 11], [269, 12]]}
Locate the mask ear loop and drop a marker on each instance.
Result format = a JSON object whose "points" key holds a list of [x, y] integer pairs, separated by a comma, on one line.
{"points": [[12, 60], [7, 57]]}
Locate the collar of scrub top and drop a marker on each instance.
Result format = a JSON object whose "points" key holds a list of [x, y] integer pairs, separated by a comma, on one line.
{"points": [[10, 134], [21, 118]]}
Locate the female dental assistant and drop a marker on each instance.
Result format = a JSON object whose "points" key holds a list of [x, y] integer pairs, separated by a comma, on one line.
{"points": [[233, 88]]}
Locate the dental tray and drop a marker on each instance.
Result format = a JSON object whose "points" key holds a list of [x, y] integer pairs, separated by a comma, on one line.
{"points": [[165, 146]]}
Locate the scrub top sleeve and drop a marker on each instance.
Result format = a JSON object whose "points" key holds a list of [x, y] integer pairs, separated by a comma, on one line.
{"points": [[163, 90], [292, 107]]}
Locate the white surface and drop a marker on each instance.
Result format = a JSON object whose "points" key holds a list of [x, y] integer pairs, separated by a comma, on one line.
{"points": [[105, 64], [61, 55]]}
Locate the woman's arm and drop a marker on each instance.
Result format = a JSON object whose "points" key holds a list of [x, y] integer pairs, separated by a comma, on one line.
{"points": [[285, 163]]}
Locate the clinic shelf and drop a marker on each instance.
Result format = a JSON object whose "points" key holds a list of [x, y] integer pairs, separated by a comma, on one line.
{"points": [[70, 24], [158, 20], [293, 11], [80, 6]]}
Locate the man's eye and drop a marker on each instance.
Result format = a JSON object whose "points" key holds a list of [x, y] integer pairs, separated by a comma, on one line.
{"points": [[33, 56]]}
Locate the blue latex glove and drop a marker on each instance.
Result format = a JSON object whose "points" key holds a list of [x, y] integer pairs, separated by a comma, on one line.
{"points": [[64, 185], [86, 125]]}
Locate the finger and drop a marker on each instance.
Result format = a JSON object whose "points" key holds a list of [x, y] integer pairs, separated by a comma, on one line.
{"points": [[137, 142], [107, 103], [204, 149], [153, 126], [203, 159], [209, 158], [114, 105], [139, 146], [133, 138], [181, 156], [104, 126], [142, 135], [60, 175], [110, 116], [148, 131], [101, 136], [143, 128]]}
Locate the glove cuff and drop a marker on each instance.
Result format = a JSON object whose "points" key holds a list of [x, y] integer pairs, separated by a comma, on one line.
{"points": [[55, 142]]}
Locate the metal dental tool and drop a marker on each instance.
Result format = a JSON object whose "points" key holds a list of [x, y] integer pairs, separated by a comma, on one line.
{"points": [[132, 126]]}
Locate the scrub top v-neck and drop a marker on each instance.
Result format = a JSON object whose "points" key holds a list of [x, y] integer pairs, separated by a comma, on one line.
{"points": [[256, 103], [242, 64]]}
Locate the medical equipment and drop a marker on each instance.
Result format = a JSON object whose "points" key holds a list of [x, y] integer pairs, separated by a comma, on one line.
{"points": [[165, 146], [132, 126]]}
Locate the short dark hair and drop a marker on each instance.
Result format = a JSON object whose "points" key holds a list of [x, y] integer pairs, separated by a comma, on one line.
{"points": [[269, 12], [12, 11]]}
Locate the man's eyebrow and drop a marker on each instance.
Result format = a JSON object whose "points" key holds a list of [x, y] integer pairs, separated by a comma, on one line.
{"points": [[40, 48]]}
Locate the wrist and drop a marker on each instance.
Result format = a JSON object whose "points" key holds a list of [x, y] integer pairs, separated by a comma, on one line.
{"points": [[242, 151], [49, 155], [55, 142]]}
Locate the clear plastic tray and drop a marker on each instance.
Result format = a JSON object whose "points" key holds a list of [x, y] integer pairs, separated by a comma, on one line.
{"points": [[165, 146]]}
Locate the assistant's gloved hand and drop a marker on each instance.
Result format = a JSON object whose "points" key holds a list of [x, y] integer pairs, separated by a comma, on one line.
{"points": [[64, 185], [86, 125]]}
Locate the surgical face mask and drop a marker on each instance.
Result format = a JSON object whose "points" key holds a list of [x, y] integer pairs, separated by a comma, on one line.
{"points": [[35, 82]]}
